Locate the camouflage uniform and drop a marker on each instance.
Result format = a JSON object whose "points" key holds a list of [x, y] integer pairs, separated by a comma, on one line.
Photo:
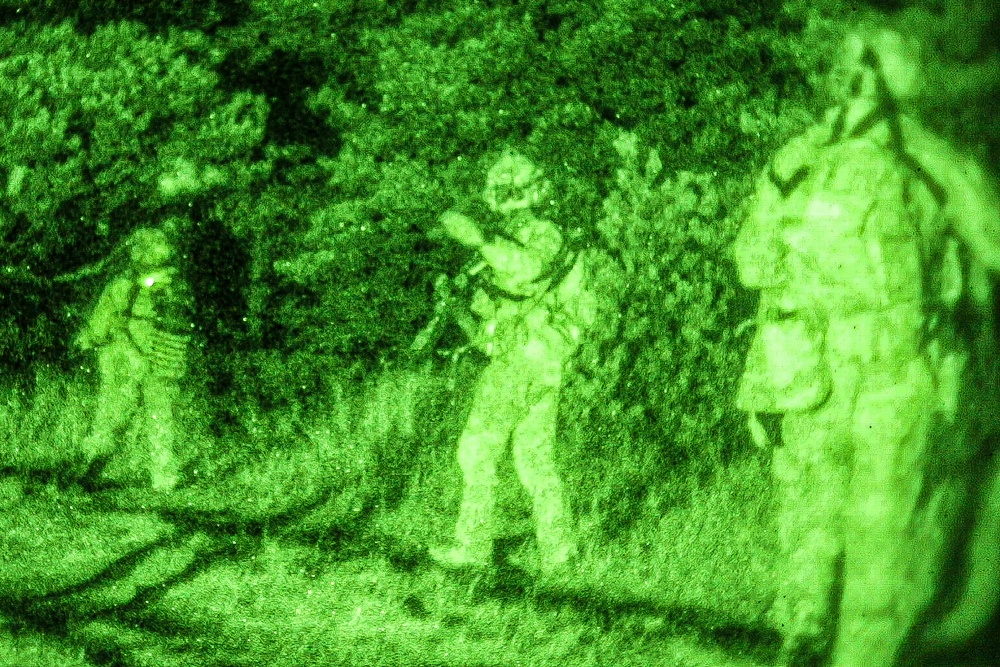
{"points": [[857, 238], [532, 314], [140, 329]]}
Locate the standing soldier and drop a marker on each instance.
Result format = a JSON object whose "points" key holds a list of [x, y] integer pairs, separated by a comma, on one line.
{"points": [[867, 237], [532, 313], [140, 330]]}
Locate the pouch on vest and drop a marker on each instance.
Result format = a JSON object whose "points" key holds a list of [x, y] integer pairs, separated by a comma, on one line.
{"points": [[785, 369]]}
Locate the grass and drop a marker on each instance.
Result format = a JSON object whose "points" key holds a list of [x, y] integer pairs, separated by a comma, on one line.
{"points": [[377, 461], [34, 649], [43, 429]]}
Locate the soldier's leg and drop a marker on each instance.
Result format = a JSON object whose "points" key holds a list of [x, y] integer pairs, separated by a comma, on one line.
{"points": [[534, 458], [159, 397], [891, 556], [497, 406], [117, 401], [810, 472]]}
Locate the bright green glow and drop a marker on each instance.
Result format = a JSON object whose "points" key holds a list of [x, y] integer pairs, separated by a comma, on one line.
{"points": [[301, 152]]}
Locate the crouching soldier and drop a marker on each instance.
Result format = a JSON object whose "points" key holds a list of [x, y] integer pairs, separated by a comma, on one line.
{"points": [[532, 311], [867, 237], [140, 329]]}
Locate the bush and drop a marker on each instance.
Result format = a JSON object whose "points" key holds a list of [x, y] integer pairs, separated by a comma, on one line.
{"points": [[103, 133], [654, 402]]}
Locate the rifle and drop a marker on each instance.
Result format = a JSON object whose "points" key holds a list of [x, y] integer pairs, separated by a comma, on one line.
{"points": [[451, 298]]}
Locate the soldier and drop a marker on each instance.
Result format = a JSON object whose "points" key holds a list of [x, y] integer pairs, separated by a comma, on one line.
{"points": [[532, 313], [866, 237], [140, 330]]}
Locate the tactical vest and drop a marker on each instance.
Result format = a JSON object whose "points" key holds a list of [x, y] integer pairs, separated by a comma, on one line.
{"points": [[844, 235], [550, 304]]}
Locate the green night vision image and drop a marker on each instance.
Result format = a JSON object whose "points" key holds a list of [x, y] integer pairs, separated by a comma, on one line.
{"points": [[500, 333]]}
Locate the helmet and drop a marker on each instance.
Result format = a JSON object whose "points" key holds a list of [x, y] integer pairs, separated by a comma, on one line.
{"points": [[873, 62], [150, 247], [514, 183]]}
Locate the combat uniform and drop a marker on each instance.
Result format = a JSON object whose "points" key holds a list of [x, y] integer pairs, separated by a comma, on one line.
{"points": [[852, 240], [140, 329], [532, 313]]}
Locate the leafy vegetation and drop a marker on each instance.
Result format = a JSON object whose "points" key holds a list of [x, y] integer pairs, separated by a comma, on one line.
{"points": [[302, 152]]}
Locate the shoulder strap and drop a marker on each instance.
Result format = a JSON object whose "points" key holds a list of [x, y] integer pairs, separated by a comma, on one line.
{"points": [[886, 109], [133, 290]]}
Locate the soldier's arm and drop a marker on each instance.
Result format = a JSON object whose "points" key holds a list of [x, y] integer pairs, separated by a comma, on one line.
{"points": [[518, 265], [514, 264], [757, 249], [462, 228], [109, 314], [509, 258], [971, 200]]}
